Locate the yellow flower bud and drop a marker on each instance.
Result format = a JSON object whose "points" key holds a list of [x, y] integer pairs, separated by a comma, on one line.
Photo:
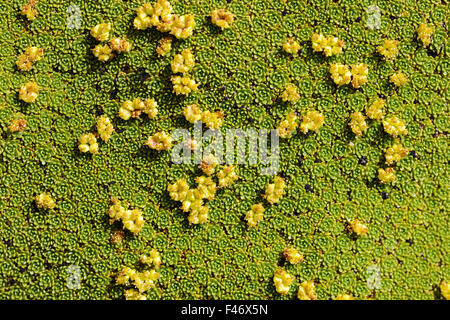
{"points": [[18, 125], [287, 127], [424, 34], [192, 113], [102, 52], [212, 120], [254, 215], [386, 175], [88, 143], [209, 164], [359, 74], [375, 111], [120, 45], [394, 126], [340, 74], [222, 18], [44, 201], [395, 153], [274, 191], [399, 79], [160, 141], [306, 291], [358, 123], [101, 32], [312, 120], [341, 296], [184, 85], [178, 190], [290, 93], [292, 255], [445, 289], [389, 49], [104, 128], [164, 46], [291, 46], [227, 176], [282, 281], [358, 228], [29, 92], [183, 26]]}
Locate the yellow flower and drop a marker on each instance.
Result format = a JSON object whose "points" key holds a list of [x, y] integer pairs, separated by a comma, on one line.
{"points": [[193, 201], [399, 79], [198, 215], [359, 73], [290, 93], [282, 281], [329, 45], [292, 255], [358, 123], [312, 120], [357, 227], [424, 34], [389, 49], [29, 92], [102, 52], [340, 74], [136, 107], [386, 175], [183, 62], [132, 220], [318, 42], [160, 141], [227, 176], [395, 153], [104, 128], [341, 296], [212, 120], [132, 294], [178, 190], [192, 113], [152, 258], [375, 111], [394, 126], [101, 32], [184, 85], [209, 164], [183, 26], [288, 126], [206, 186], [274, 191], [18, 125], [164, 46], [29, 57], [445, 289], [45, 201], [120, 45], [88, 143], [29, 10], [254, 215], [222, 18], [306, 291], [291, 46]]}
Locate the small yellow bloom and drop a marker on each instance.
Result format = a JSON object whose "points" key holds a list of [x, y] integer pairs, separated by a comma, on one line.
{"points": [[340, 73], [183, 62], [399, 79], [227, 176], [29, 10], [88, 143], [424, 34], [164, 46], [29, 57], [254, 215], [357, 227], [375, 111], [18, 125], [207, 187], [389, 49], [183, 26], [328, 45], [282, 281], [222, 18], [105, 128], [291, 46], [386, 175], [312, 120], [102, 52], [152, 258], [358, 123], [101, 32], [184, 85], [132, 220], [120, 45], [359, 74], [274, 191], [341, 296], [178, 190], [213, 120], [394, 126], [287, 127], [395, 153], [132, 294], [192, 113], [445, 289], [44, 201], [209, 164], [160, 141], [290, 93], [306, 291], [29, 92], [198, 215], [292, 255]]}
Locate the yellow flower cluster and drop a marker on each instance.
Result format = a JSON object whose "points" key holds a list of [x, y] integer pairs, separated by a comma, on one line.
{"points": [[395, 153], [208, 165], [152, 258], [389, 49], [274, 191], [136, 107], [287, 127], [164, 46], [141, 280], [282, 281], [105, 128], [445, 289], [358, 123], [29, 57], [192, 113], [212, 120], [345, 296], [160, 15], [359, 74], [375, 110], [44, 201], [222, 18], [328, 45], [183, 62], [88, 143], [227, 176], [290, 93], [29, 10], [120, 45], [312, 120], [101, 32], [160, 141], [192, 199], [254, 215], [132, 294], [132, 220], [399, 79], [291, 46], [292, 255], [29, 92], [307, 291], [386, 175], [102, 52], [340, 73], [424, 34], [184, 85], [18, 125], [358, 228], [395, 126]]}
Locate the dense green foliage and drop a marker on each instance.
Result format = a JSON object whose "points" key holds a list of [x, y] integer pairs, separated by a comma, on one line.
{"points": [[241, 70]]}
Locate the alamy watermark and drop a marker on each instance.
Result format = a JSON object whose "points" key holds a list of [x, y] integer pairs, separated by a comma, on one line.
{"points": [[73, 280], [373, 277], [74, 19], [236, 146], [373, 17]]}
